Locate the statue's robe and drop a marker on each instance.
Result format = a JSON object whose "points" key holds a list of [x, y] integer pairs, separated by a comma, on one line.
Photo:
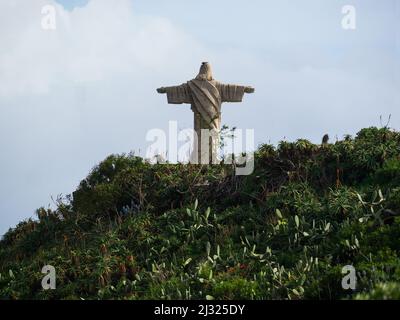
{"points": [[205, 98]]}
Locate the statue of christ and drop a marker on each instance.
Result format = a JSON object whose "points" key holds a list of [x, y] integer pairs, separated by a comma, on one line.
{"points": [[205, 96]]}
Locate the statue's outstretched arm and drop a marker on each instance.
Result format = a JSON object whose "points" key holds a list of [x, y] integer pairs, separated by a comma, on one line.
{"points": [[166, 89], [177, 94], [233, 92]]}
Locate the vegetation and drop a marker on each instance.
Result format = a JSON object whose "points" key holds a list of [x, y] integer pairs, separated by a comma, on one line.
{"points": [[133, 230]]}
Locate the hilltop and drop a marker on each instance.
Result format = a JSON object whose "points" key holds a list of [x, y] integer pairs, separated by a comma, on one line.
{"points": [[133, 230]]}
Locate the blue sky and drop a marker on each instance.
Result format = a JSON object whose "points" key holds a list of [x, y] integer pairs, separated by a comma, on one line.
{"points": [[72, 4], [71, 96]]}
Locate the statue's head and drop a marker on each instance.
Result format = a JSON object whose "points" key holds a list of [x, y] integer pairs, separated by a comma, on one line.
{"points": [[205, 72]]}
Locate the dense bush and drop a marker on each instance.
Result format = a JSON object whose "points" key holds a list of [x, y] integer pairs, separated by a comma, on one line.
{"points": [[133, 230]]}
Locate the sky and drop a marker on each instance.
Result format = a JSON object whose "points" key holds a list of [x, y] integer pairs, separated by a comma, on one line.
{"points": [[71, 96]]}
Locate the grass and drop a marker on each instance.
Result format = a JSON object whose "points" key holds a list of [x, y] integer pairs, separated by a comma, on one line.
{"points": [[133, 230]]}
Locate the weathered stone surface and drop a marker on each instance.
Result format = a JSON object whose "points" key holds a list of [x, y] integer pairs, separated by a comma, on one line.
{"points": [[205, 96]]}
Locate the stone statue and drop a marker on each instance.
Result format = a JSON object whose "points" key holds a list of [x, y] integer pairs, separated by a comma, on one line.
{"points": [[205, 96]]}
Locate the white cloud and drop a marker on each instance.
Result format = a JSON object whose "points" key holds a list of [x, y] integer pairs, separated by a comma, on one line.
{"points": [[89, 44]]}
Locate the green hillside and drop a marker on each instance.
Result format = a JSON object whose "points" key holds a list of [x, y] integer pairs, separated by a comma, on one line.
{"points": [[133, 230]]}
